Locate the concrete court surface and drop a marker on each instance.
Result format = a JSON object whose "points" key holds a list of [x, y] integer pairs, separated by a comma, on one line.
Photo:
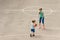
{"points": [[16, 16]]}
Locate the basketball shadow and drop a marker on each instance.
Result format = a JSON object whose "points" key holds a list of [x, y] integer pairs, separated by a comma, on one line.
{"points": [[50, 30]]}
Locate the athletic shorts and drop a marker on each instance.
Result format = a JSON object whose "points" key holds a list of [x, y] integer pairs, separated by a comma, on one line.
{"points": [[41, 19], [32, 30]]}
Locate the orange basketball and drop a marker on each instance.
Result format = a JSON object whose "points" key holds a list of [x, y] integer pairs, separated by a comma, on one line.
{"points": [[35, 25]]}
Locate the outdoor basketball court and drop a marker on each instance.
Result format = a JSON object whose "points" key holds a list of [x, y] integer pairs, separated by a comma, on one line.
{"points": [[16, 16]]}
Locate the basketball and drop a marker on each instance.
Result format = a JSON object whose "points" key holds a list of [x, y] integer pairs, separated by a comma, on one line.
{"points": [[35, 25]]}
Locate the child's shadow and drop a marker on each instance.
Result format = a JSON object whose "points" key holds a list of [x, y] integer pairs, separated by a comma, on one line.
{"points": [[38, 36]]}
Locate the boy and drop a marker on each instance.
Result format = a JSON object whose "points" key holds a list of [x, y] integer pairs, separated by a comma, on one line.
{"points": [[33, 28], [41, 18]]}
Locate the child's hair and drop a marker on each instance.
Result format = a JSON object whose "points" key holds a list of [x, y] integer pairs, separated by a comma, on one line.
{"points": [[33, 21], [40, 9]]}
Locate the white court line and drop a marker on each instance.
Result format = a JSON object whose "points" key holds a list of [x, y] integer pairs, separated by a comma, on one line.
{"points": [[25, 9], [37, 7]]}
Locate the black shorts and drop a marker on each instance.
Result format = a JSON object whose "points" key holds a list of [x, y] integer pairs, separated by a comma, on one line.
{"points": [[32, 30]]}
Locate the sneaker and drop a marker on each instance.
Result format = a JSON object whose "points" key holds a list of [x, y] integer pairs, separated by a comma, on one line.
{"points": [[31, 35]]}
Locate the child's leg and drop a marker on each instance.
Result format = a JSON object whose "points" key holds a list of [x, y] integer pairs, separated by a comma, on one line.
{"points": [[43, 26], [33, 33], [43, 23], [40, 22]]}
